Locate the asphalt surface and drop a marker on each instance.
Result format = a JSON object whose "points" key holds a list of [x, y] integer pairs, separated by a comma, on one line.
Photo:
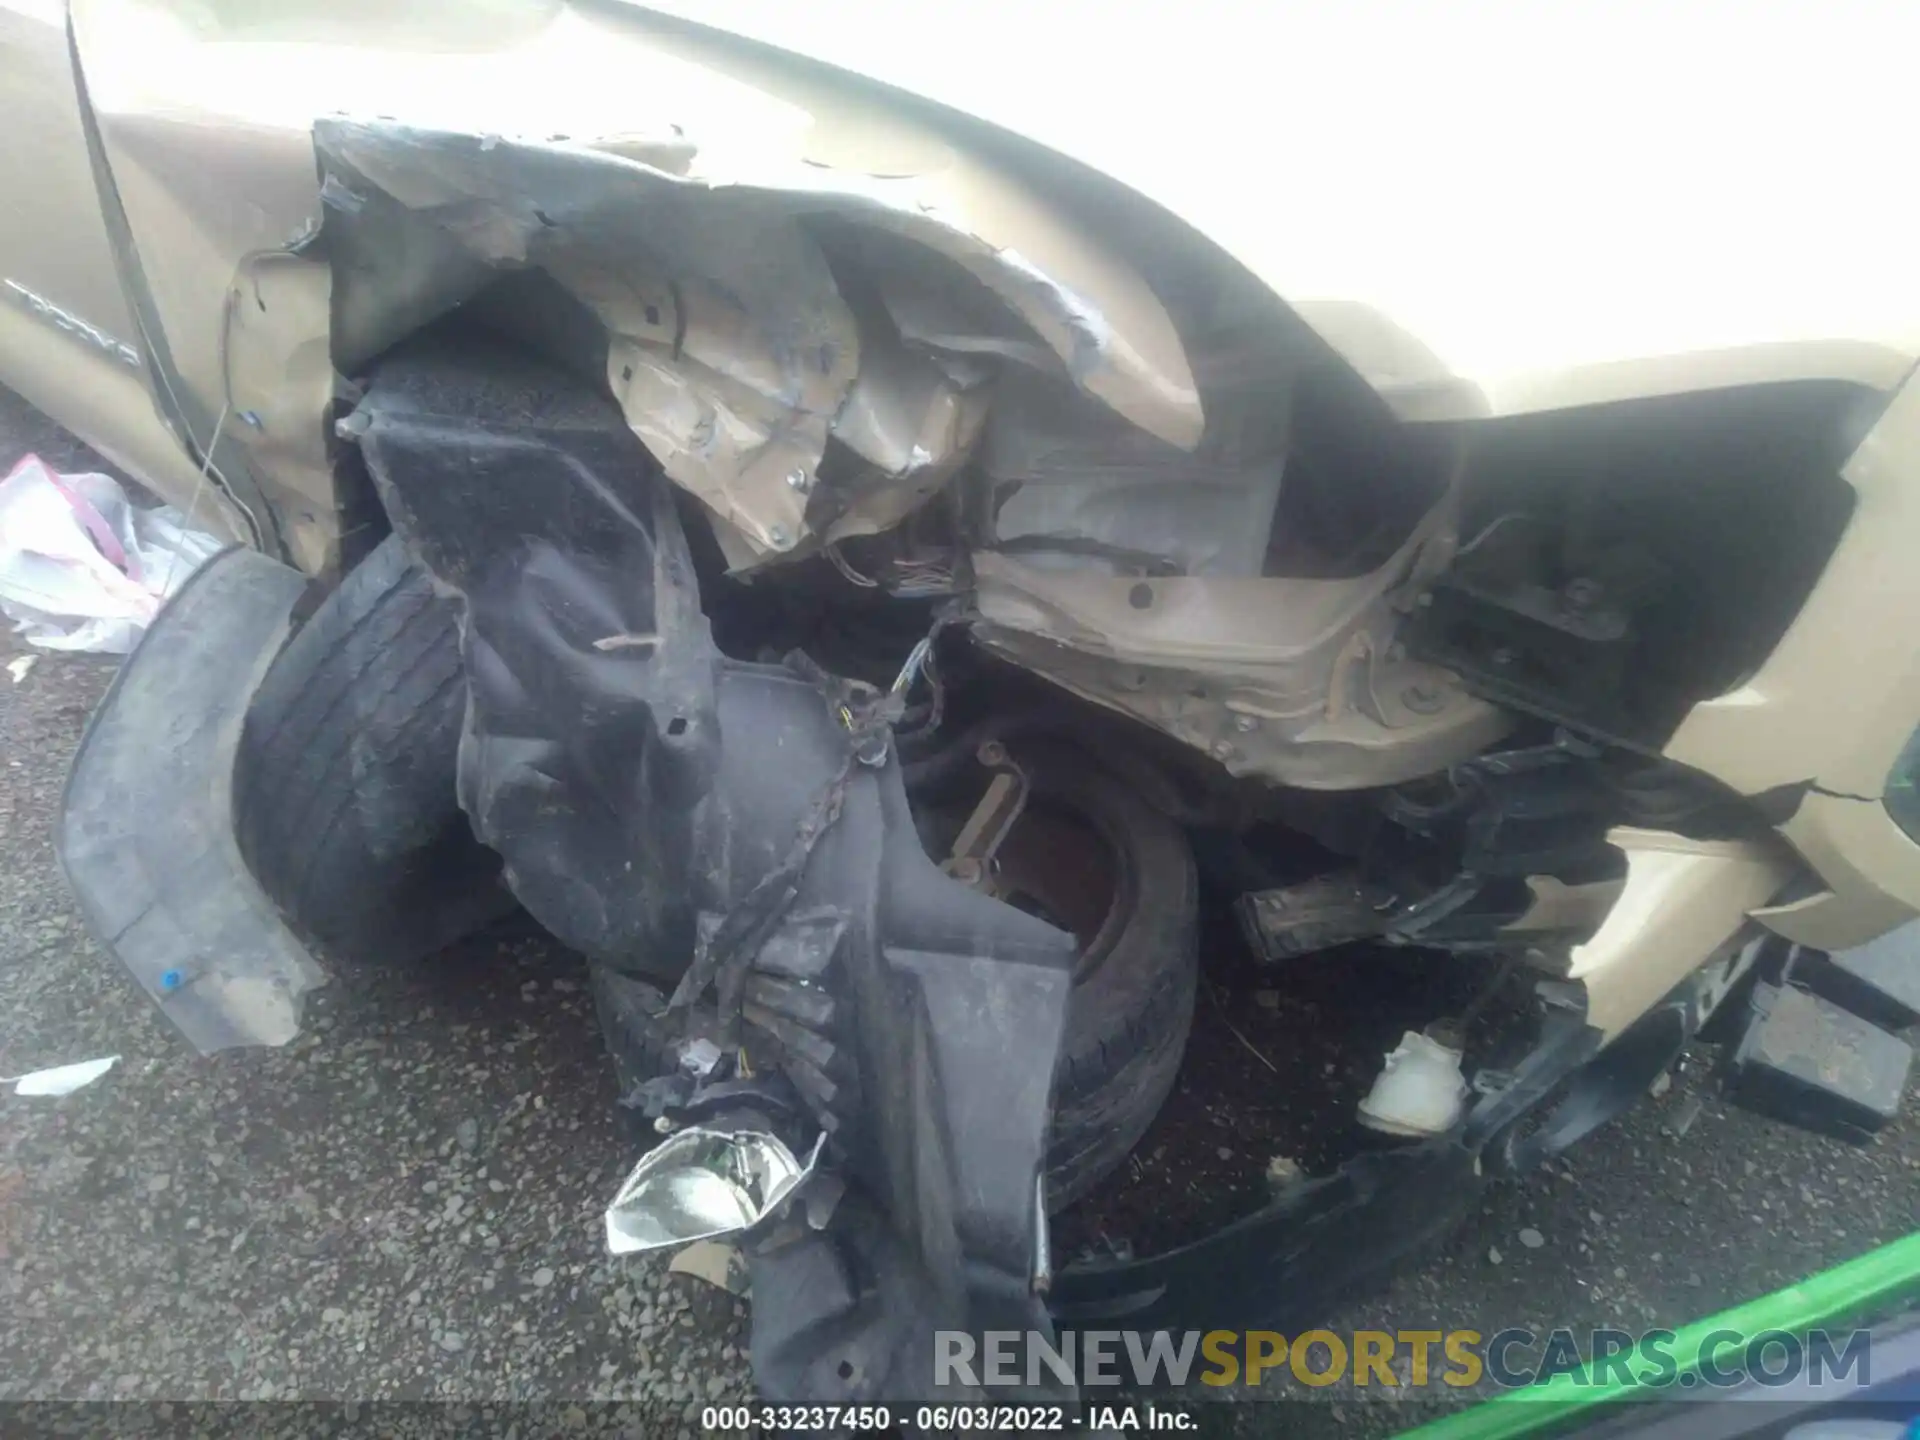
{"points": [[405, 1203]]}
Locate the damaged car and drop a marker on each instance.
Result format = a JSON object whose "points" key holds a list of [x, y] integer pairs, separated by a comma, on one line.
{"points": [[897, 561]]}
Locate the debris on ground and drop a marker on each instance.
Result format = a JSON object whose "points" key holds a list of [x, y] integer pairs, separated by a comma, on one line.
{"points": [[61, 1079], [81, 566], [1283, 1173]]}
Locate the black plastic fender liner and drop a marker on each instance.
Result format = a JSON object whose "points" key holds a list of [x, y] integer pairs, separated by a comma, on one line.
{"points": [[146, 826], [736, 836], [593, 693], [1292, 1264]]}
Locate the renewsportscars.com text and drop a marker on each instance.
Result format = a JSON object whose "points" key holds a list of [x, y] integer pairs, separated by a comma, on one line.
{"points": [[1401, 1359]]}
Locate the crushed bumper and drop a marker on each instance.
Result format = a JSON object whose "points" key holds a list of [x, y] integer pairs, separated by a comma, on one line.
{"points": [[146, 830]]}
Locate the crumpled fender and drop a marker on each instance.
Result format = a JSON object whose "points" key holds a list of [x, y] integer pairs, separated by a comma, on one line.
{"points": [[481, 118], [736, 348]]}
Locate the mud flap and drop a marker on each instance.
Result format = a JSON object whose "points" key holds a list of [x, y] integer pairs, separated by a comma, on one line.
{"points": [[146, 826]]}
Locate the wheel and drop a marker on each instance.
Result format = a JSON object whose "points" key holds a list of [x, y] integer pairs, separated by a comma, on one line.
{"points": [[1090, 855], [344, 801]]}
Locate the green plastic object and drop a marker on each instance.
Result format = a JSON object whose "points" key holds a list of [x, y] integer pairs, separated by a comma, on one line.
{"points": [[1857, 1291]]}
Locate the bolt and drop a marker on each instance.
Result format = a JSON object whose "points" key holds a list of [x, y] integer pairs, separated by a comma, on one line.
{"points": [[1422, 699], [991, 753], [1245, 723], [967, 870], [798, 480], [251, 420], [1222, 749], [1582, 593], [778, 538]]}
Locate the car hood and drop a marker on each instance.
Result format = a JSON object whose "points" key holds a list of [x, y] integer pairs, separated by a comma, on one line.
{"points": [[1485, 208]]}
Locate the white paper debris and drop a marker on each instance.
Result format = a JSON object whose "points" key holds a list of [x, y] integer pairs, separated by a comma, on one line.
{"points": [[19, 667], [719, 1264], [62, 1079], [81, 567]]}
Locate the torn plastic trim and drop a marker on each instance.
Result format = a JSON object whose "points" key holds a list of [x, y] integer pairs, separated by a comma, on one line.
{"points": [[740, 833], [732, 351], [146, 827], [1683, 900], [1290, 1264]]}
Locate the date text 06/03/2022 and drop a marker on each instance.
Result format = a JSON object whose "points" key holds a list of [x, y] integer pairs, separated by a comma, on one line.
{"points": [[979, 1419]]}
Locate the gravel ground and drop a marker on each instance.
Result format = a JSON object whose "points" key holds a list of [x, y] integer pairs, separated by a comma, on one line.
{"points": [[405, 1203]]}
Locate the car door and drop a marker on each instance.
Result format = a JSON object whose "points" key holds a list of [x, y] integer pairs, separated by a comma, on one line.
{"points": [[69, 340]]}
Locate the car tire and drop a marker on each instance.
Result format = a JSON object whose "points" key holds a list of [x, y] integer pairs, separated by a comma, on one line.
{"points": [[344, 799], [1137, 975]]}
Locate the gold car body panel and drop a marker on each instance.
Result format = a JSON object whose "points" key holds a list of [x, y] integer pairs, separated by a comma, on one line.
{"points": [[1831, 709], [1487, 208], [69, 342]]}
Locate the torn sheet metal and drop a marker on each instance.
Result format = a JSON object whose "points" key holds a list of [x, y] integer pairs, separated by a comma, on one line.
{"points": [[279, 383], [1078, 481], [729, 361], [943, 310], [732, 350], [915, 419]]}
